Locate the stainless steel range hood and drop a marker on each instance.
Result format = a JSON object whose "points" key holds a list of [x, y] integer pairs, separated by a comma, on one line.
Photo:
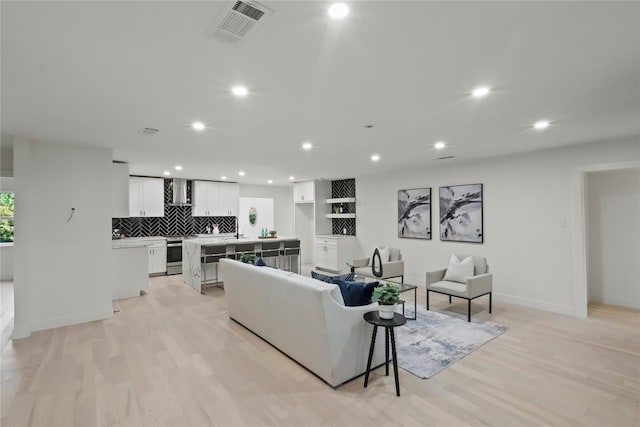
{"points": [[179, 192]]}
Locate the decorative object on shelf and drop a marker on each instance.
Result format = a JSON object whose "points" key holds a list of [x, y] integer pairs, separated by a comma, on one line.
{"points": [[273, 233], [387, 296], [253, 216], [248, 258], [414, 213], [461, 213]]}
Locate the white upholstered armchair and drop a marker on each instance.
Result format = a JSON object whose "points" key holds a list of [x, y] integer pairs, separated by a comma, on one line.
{"points": [[476, 283], [393, 267]]}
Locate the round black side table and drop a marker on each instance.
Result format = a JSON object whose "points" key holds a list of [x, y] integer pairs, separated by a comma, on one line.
{"points": [[388, 325]]}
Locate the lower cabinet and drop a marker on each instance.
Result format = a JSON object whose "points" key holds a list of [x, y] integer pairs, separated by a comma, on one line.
{"points": [[334, 252], [157, 258]]}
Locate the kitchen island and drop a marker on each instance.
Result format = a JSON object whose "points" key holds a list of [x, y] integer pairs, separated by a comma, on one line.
{"points": [[196, 275]]}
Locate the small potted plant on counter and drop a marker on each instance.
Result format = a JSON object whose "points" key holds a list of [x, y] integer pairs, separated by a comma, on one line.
{"points": [[248, 258], [273, 233], [387, 296]]}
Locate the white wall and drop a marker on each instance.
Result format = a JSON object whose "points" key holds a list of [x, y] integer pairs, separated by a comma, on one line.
{"points": [[613, 233], [282, 204], [527, 218], [62, 269], [264, 217]]}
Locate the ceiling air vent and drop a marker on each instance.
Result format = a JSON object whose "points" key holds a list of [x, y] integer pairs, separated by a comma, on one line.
{"points": [[446, 157], [149, 131], [239, 20]]}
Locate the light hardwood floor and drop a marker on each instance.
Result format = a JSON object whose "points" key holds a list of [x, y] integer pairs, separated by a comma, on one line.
{"points": [[173, 357]]}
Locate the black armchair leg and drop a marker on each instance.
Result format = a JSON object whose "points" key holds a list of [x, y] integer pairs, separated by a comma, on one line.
{"points": [[469, 311], [427, 299], [490, 302], [449, 299]]}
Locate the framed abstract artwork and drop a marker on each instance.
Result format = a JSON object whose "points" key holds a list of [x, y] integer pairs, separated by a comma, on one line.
{"points": [[414, 213], [461, 213]]}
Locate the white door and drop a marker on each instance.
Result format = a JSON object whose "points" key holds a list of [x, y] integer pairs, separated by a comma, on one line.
{"points": [[229, 198], [160, 260], [153, 197], [200, 198], [135, 196]]}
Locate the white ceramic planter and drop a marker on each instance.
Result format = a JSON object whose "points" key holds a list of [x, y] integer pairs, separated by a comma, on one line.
{"points": [[386, 311]]}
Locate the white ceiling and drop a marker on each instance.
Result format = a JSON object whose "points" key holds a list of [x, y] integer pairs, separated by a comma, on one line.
{"points": [[99, 72]]}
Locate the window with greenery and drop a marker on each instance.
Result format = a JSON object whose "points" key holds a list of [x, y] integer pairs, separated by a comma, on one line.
{"points": [[6, 217]]}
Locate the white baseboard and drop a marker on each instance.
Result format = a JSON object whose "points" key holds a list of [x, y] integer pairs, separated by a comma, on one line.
{"points": [[531, 303], [22, 332], [44, 324]]}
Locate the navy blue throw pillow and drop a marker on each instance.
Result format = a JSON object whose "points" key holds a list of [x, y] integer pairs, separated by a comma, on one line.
{"points": [[260, 263], [356, 293], [332, 279]]}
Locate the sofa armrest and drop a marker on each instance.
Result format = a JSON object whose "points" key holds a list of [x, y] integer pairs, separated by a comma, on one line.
{"points": [[359, 262], [480, 284], [434, 276], [393, 269]]}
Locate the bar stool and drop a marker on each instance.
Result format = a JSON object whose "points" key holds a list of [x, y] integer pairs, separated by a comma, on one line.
{"points": [[211, 255], [291, 248], [270, 250], [245, 248]]}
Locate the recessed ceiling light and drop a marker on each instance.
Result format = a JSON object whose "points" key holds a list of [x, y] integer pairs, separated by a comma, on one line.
{"points": [[439, 145], [270, 181], [223, 177], [338, 10], [291, 178], [241, 173], [197, 125], [239, 91], [542, 124], [166, 173], [178, 167], [479, 92], [307, 146], [375, 158]]}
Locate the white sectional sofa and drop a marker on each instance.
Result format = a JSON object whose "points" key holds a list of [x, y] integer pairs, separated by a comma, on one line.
{"points": [[304, 318]]}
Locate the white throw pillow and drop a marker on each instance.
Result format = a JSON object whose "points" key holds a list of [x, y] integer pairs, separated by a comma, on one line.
{"points": [[384, 254], [459, 271]]}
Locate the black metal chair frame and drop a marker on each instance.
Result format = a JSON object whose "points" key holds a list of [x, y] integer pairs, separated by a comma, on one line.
{"points": [[468, 301]]}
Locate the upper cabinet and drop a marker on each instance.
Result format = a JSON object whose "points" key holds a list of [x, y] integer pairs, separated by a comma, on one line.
{"points": [[303, 192], [146, 196], [119, 190], [215, 198]]}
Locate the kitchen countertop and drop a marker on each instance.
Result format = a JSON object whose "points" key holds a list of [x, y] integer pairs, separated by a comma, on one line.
{"points": [[227, 240]]}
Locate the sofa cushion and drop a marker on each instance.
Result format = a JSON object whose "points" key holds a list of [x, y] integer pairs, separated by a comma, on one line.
{"points": [[356, 293], [332, 279], [449, 288], [459, 271], [384, 254], [480, 264]]}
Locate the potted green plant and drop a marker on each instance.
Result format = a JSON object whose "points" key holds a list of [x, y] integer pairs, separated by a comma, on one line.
{"points": [[387, 296], [248, 258], [273, 233]]}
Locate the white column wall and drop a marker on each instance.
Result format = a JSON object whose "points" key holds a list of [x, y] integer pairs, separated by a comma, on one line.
{"points": [[527, 218], [62, 268]]}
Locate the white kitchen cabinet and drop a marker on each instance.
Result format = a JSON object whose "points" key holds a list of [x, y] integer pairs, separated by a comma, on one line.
{"points": [[157, 259], [215, 198], [334, 252], [119, 190], [146, 196], [303, 192], [229, 199]]}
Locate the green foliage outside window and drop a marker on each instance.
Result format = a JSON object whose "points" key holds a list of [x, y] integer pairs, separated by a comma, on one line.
{"points": [[6, 213]]}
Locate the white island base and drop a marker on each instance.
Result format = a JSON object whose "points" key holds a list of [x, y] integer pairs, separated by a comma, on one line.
{"points": [[193, 272]]}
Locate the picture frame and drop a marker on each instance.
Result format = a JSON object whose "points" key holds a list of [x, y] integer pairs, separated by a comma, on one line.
{"points": [[462, 213], [414, 213]]}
